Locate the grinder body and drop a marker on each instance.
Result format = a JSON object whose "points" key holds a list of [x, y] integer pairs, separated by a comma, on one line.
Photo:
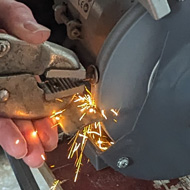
{"points": [[143, 67]]}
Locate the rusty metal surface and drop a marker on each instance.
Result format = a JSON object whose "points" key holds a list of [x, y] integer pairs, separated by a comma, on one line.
{"points": [[106, 179], [23, 57], [30, 95]]}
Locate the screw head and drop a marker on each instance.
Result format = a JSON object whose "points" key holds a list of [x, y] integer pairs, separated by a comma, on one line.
{"points": [[4, 47], [123, 162], [4, 95]]}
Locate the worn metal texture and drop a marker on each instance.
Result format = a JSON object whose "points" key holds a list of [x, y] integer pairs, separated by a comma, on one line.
{"points": [[27, 95], [23, 57]]}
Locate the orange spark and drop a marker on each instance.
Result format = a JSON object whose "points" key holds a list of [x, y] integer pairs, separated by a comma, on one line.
{"points": [[82, 116], [34, 133], [103, 114], [114, 112], [52, 166], [43, 157], [57, 118]]}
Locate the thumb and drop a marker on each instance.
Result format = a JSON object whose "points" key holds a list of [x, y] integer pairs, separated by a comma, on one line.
{"points": [[17, 20]]}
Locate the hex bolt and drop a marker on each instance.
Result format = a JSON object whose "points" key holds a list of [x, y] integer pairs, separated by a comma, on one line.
{"points": [[4, 47], [4, 95], [123, 162]]}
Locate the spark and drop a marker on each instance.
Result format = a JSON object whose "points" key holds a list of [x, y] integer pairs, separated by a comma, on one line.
{"points": [[75, 148], [103, 114], [55, 183], [52, 166], [82, 116], [73, 144], [54, 114], [59, 100], [57, 118], [55, 125], [34, 133], [115, 120], [94, 132], [43, 157], [114, 112], [17, 141], [82, 135]]}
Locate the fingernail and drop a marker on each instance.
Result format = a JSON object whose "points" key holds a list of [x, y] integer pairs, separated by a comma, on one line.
{"points": [[35, 27]]}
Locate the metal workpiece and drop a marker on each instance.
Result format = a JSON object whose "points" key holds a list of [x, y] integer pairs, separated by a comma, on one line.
{"points": [[157, 8], [71, 122]]}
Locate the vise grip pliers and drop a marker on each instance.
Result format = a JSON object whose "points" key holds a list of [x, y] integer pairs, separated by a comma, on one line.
{"points": [[36, 80]]}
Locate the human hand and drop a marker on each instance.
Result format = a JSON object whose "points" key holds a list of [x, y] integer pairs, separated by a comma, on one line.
{"points": [[18, 137]]}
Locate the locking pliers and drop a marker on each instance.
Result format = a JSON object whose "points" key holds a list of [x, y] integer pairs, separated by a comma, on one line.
{"points": [[36, 80]]}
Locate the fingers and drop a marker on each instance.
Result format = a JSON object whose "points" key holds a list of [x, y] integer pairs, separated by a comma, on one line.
{"points": [[11, 139], [18, 20], [48, 134], [34, 157]]}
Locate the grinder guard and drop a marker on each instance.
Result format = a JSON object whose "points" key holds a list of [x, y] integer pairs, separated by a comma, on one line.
{"points": [[153, 126]]}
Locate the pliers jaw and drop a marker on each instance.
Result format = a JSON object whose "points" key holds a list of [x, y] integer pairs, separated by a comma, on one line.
{"points": [[38, 79]]}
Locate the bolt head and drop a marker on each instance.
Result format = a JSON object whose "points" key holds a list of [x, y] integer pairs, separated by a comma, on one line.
{"points": [[4, 95], [123, 162], [4, 47]]}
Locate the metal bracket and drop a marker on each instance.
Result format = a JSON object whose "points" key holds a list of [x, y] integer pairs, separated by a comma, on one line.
{"points": [[157, 8]]}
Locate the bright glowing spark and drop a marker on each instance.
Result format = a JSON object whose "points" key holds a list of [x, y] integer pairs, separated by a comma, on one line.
{"points": [[34, 133], [100, 128], [103, 114], [59, 100], [115, 120], [17, 141], [94, 132], [75, 149], [55, 125], [57, 113], [91, 110], [114, 112], [82, 135], [73, 144], [43, 157], [55, 183], [57, 118], [52, 166], [82, 116]]}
